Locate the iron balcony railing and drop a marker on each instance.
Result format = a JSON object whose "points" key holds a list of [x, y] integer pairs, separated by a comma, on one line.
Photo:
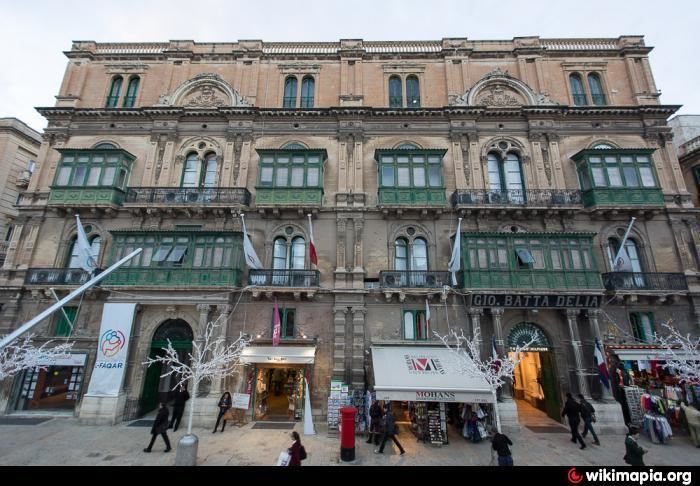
{"points": [[307, 101], [580, 100], [56, 276], [289, 102], [532, 197], [414, 279], [413, 102], [599, 99], [644, 281], [284, 278], [395, 101], [112, 101], [188, 195]]}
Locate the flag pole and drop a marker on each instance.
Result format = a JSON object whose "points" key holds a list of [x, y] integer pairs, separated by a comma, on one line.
{"points": [[622, 244]]}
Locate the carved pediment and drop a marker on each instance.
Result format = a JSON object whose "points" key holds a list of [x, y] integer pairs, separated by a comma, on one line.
{"points": [[499, 89], [207, 90]]}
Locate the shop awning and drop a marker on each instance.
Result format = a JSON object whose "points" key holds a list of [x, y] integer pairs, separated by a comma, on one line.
{"points": [[424, 374], [279, 354], [646, 354]]}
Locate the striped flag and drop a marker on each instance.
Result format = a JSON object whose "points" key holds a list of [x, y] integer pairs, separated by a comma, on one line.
{"points": [[277, 329], [312, 246], [600, 364]]}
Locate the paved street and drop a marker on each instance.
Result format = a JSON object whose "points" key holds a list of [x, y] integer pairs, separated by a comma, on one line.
{"points": [[62, 441]]}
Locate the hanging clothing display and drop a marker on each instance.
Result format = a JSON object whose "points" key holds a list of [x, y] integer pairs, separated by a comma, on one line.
{"points": [[657, 428]]}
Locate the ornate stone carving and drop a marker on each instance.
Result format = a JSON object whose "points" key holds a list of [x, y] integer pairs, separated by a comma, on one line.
{"points": [[498, 89], [499, 95], [206, 97], [207, 90]]}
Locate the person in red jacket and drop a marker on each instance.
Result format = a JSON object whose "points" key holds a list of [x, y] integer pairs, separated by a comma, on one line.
{"points": [[295, 450]]}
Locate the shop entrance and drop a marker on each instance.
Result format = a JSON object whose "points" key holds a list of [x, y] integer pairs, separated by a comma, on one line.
{"points": [[535, 383], [56, 387], [279, 393], [155, 388]]}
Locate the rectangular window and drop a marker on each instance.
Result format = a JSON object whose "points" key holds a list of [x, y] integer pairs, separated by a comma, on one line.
{"points": [[287, 322], [598, 177], [286, 170], [435, 176], [94, 176], [312, 177], [297, 177], [643, 326], [525, 259], [266, 176], [415, 326], [404, 177], [79, 175], [410, 170], [419, 177], [177, 256], [282, 176], [162, 253], [538, 257], [63, 327], [631, 179], [63, 176], [647, 177], [388, 175], [614, 177], [108, 178]]}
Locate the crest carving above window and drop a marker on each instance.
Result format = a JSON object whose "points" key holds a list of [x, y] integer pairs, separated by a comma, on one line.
{"points": [[499, 89]]}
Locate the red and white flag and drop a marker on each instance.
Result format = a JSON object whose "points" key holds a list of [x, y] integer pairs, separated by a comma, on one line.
{"points": [[312, 246], [277, 328]]}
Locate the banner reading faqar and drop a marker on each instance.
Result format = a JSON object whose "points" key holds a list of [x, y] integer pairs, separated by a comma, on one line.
{"points": [[112, 350]]}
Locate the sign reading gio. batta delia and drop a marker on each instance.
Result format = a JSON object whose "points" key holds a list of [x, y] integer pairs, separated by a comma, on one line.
{"points": [[536, 301]]}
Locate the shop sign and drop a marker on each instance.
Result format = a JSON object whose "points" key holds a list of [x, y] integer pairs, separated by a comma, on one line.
{"points": [[435, 396], [240, 400], [536, 301], [67, 360], [277, 359]]}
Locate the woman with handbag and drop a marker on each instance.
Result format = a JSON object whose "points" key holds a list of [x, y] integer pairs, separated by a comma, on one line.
{"points": [[224, 407], [297, 453]]}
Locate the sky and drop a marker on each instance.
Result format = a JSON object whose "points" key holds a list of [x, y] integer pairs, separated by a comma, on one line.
{"points": [[35, 33]]}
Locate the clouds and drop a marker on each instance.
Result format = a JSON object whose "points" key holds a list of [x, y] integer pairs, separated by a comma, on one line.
{"points": [[35, 34]]}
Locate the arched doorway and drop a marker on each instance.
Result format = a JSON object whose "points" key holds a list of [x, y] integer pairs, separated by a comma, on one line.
{"points": [[155, 388], [535, 379]]}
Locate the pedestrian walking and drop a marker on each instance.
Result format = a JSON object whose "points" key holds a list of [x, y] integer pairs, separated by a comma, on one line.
{"points": [[160, 426], [181, 396], [389, 431], [224, 406], [375, 414], [297, 453], [588, 416], [634, 453], [500, 444], [572, 410]]}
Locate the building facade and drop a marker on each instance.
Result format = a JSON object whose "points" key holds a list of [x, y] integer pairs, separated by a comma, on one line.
{"points": [[545, 148], [19, 146]]}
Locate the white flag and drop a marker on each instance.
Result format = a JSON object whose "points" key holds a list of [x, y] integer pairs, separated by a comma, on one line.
{"points": [[308, 417], [456, 260], [86, 261], [622, 262], [251, 258]]}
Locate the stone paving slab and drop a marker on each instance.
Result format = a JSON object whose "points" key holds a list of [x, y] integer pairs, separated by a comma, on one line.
{"points": [[62, 441]]}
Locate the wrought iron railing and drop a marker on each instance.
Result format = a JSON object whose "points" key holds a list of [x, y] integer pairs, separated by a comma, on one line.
{"points": [[414, 279], [284, 278], [532, 197], [56, 276], [395, 101], [112, 101], [188, 195], [644, 281], [307, 101], [413, 102], [599, 99], [289, 102]]}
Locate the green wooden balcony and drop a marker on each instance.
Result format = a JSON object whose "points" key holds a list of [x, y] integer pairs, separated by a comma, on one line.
{"points": [[623, 196], [392, 196], [531, 279], [288, 196], [175, 277], [86, 196]]}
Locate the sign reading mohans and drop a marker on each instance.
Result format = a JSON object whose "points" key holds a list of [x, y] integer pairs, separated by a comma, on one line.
{"points": [[535, 301]]}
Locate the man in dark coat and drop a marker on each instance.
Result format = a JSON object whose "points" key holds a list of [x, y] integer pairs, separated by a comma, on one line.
{"points": [[587, 414], [375, 414], [181, 396], [160, 426], [389, 431], [572, 410], [634, 455], [500, 445]]}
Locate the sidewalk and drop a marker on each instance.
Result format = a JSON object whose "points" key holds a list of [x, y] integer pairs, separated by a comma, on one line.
{"points": [[62, 441]]}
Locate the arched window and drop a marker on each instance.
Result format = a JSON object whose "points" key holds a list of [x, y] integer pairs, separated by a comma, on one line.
{"points": [[279, 254], [307, 92], [190, 175], [76, 258], [596, 89], [114, 90], [400, 254], [131, 90], [419, 254], [289, 255], [395, 92], [633, 262], [577, 91], [505, 179], [298, 253], [411, 258], [210, 170], [290, 93], [412, 92], [105, 146]]}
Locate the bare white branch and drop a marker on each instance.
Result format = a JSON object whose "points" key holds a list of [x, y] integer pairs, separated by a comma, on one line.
{"points": [[681, 352], [22, 355]]}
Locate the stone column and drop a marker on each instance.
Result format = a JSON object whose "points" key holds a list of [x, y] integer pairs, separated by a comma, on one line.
{"points": [[475, 315], [341, 266], [339, 343], [592, 315], [571, 315], [358, 267], [497, 316], [358, 347]]}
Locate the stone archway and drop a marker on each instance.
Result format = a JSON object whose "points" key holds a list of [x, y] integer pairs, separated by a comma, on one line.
{"points": [[156, 388]]}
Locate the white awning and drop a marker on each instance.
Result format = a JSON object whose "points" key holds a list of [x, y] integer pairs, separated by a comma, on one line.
{"points": [[649, 354], [279, 354], [424, 374]]}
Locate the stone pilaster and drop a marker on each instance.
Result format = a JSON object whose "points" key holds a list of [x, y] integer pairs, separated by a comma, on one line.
{"points": [[358, 347], [571, 317], [593, 315], [339, 342]]}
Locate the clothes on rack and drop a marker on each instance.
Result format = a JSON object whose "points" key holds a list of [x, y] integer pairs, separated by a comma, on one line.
{"points": [[657, 428]]}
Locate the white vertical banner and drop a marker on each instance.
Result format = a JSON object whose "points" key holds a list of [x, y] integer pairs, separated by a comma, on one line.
{"points": [[112, 350]]}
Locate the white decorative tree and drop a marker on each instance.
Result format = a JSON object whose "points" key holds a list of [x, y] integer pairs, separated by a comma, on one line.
{"points": [[211, 358], [681, 352], [468, 361], [22, 354]]}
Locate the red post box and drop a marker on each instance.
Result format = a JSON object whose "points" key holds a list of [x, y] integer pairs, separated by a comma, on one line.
{"points": [[347, 433]]}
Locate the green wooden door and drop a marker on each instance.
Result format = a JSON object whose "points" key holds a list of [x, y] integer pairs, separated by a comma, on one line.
{"points": [[550, 387], [149, 397]]}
